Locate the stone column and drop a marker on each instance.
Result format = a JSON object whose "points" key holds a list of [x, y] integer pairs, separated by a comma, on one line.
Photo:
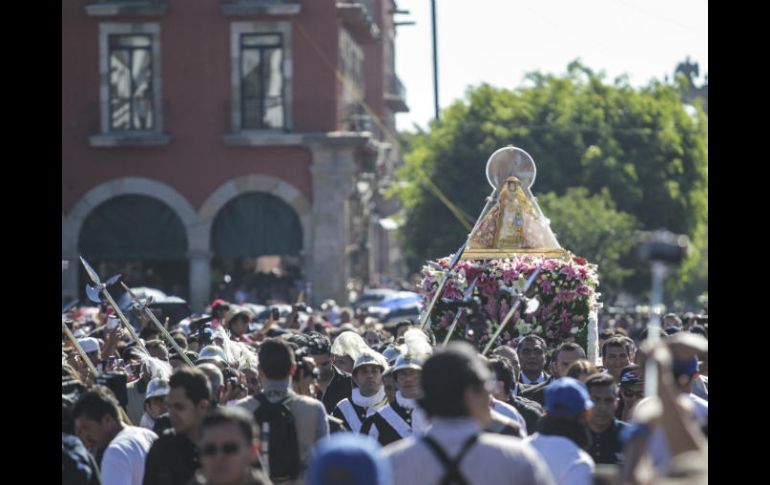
{"points": [[333, 182], [69, 253], [200, 279]]}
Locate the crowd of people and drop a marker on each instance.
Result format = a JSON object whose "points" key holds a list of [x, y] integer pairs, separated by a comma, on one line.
{"points": [[335, 397]]}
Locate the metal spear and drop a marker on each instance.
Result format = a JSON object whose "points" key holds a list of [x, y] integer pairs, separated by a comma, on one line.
{"points": [[161, 328], [94, 293], [519, 297]]}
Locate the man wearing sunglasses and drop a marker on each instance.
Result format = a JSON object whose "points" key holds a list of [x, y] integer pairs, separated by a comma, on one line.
{"points": [[173, 458], [228, 447]]}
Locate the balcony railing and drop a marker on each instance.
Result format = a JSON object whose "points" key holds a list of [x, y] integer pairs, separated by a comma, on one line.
{"points": [[395, 97], [357, 17], [101, 8], [260, 7]]}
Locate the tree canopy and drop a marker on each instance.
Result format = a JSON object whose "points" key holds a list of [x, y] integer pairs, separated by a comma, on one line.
{"points": [[608, 155]]}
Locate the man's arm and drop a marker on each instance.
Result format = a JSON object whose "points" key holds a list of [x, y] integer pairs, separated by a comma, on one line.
{"points": [[322, 425]]}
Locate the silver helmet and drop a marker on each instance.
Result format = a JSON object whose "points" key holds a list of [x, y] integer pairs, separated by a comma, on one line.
{"points": [[371, 358], [156, 388]]}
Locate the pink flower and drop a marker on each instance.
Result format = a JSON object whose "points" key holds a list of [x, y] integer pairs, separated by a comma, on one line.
{"points": [[584, 290], [452, 293], [509, 275], [569, 272], [491, 308], [546, 286]]}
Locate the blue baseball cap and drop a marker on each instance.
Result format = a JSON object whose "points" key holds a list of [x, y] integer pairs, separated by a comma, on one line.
{"points": [[685, 367], [349, 459], [567, 397]]}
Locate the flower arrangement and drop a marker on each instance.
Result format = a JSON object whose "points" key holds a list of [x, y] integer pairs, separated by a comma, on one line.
{"points": [[566, 289]]}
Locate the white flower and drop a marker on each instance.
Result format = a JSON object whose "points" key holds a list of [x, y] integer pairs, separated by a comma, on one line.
{"points": [[523, 327], [573, 330]]}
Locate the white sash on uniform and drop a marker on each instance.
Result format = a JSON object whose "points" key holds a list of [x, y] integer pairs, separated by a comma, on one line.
{"points": [[350, 415], [395, 421]]}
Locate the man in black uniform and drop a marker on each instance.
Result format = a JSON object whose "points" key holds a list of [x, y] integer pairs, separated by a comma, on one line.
{"points": [[403, 417], [173, 457], [369, 396]]}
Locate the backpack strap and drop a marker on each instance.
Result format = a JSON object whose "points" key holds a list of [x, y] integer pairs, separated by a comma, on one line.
{"points": [[451, 465]]}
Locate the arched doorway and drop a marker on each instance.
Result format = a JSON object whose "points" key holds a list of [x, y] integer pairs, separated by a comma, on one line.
{"points": [[140, 237], [257, 240]]}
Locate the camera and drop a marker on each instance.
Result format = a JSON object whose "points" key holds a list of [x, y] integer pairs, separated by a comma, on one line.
{"points": [[662, 246]]}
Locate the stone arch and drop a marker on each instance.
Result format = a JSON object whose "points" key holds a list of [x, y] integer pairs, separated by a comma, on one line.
{"points": [[256, 183], [72, 222]]}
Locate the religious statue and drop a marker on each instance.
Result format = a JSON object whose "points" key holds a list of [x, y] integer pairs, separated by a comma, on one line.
{"points": [[514, 223]]}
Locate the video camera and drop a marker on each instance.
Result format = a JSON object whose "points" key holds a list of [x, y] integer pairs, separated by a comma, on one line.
{"points": [[662, 246]]}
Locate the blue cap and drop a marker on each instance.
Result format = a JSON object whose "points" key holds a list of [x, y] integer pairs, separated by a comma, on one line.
{"points": [[348, 459], [567, 397], [685, 367]]}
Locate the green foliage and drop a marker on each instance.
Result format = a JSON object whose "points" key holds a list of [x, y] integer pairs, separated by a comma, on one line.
{"points": [[591, 227], [638, 151]]}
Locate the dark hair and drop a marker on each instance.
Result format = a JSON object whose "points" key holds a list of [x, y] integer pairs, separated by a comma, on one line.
{"points": [[149, 332], [194, 381], [598, 380], [580, 367], [276, 358], [630, 345], [232, 415], [97, 403], [318, 344], [445, 377], [570, 428], [305, 366], [643, 334], [614, 342], [503, 371], [699, 329], [532, 337], [569, 347], [673, 316], [606, 334]]}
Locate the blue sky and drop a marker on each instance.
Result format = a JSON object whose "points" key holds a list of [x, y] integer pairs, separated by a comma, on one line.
{"points": [[498, 41]]}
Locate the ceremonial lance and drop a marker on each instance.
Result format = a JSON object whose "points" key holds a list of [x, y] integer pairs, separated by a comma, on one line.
{"points": [[94, 293], [144, 307]]}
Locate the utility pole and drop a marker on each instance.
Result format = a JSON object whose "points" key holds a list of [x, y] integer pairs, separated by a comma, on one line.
{"points": [[435, 57]]}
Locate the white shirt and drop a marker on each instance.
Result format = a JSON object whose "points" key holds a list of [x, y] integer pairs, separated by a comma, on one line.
{"points": [[525, 380], [701, 388], [147, 422], [493, 460], [510, 412], [123, 460], [569, 464]]}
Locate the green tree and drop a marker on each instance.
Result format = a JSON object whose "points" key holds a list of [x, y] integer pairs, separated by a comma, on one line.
{"points": [[642, 146], [591, 227]]}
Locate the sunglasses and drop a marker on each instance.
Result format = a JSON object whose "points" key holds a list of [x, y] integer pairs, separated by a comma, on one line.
{"points": [[230, 448]]}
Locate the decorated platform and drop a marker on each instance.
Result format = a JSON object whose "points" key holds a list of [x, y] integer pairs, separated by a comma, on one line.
{"points": [[511, 241]]}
